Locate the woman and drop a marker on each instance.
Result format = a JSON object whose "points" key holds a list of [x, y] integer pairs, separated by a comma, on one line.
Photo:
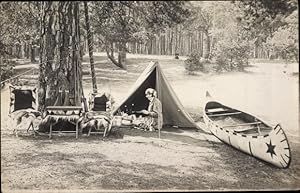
{"points": [[154, 117]]}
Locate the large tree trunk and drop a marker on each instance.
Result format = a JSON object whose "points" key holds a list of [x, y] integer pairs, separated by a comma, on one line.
{"points": [[171, 41], [154, 45], [27, 50], [161, 44], [157, 42], [90, 46], [150, 46], [22, 54], [60, 64], [121, 61], [179, 49], [32, 53], [207, 45], [255, 50], [164, 44], [110, 54], [122, 55], [18, 50], [201, 43]]}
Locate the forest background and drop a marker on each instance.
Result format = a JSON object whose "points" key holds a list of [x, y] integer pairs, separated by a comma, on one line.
{"points": [[222, 34]]}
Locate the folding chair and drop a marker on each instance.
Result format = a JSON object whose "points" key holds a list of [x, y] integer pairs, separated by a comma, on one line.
{"points": [[98, 119], [65, 114], [61, 117], [23, 105], [22, 98]]}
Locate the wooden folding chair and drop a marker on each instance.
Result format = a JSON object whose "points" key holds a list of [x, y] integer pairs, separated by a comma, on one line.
{"points": [[98, 119], [23, 105]]}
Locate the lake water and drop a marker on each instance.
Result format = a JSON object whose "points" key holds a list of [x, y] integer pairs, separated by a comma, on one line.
{"points": [[269, 91]]}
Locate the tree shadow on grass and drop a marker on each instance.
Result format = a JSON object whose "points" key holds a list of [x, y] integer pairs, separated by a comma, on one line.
{"points": [[42, 139], [256, 174], [96, 58]]}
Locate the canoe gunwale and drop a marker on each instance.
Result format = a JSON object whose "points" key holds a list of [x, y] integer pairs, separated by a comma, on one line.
{"points": [[216, 115], [232, 131]]}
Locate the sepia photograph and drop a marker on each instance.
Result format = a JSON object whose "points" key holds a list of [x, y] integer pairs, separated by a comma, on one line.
{"points": [[149, 96]]}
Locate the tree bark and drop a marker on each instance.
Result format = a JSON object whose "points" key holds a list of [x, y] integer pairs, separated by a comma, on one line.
{"points": [[176, 40], [32, 53], [150, 46], [27, 50], [171, 41], [255, 50], [110, 54], [162, 46], [60, 64], [122, 55], [154, 45], [207, 45], [179, 42], [90, 46]]}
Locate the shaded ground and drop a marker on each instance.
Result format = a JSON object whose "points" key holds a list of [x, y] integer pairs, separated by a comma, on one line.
{"points": [[137, 160]]}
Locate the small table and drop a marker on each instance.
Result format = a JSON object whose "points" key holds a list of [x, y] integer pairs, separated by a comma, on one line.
{"points": [[64, 112]]}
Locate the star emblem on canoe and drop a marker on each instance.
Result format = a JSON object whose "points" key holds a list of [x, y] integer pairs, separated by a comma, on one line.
{"points": [[271, 149]]}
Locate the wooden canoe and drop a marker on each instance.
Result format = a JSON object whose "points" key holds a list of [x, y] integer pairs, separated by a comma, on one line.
{"points": [[247, 133]]}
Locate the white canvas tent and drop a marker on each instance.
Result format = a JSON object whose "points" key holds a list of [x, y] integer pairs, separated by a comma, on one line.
{"points": [[153, 77]]}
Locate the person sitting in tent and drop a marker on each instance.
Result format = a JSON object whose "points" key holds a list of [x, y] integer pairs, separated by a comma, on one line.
{"points": [[154, 118]]}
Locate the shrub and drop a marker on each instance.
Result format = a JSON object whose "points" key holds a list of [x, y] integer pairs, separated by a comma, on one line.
{"points": [[194, 63], [231, 55], [7, 71]]}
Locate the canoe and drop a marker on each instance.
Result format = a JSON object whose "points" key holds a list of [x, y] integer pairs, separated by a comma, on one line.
{"points": [[247, 133]]}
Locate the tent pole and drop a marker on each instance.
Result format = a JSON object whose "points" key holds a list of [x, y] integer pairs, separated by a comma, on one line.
{"points": [[158, 93]]}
